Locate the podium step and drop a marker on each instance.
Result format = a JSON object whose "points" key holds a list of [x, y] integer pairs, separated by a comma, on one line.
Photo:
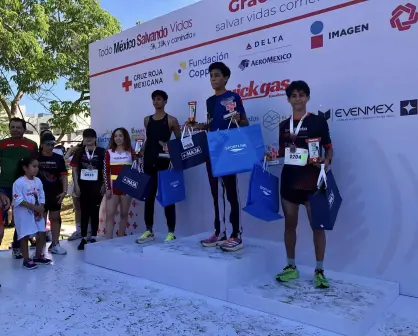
{"points": [[186, 264], [399, 320], [122, 255], [350, 306]]}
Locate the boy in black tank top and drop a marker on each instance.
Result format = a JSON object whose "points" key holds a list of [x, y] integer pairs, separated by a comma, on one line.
{"points": [[159, 128]]}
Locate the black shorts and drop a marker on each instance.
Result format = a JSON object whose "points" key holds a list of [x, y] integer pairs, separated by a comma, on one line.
{"points": [[52, 205], [296, 196]]}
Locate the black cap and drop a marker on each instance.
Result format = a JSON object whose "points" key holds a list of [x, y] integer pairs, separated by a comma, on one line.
{"points": [[89, 133], [48, 138]]}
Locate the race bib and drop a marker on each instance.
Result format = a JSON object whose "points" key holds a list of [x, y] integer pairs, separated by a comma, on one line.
{"points": [[298, 158], [89, 174]]}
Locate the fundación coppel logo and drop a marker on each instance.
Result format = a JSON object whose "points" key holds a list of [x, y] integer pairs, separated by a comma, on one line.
{"points": [[409, 107], [183, 67], [408, 10]]}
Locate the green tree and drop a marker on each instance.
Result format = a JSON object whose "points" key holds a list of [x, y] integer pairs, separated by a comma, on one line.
{"points": [[42, 41]]}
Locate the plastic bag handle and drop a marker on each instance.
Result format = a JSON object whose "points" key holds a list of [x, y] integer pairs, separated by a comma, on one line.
{"points": [[322, 178], [230, 122], [184, 131]]}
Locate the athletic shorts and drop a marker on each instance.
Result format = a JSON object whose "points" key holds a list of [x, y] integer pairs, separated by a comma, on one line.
{"points": [[296, 196], [117, 192], [52, 205]]}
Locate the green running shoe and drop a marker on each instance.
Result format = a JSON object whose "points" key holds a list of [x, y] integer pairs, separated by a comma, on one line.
{"points": [[320, 280], [289, 273]]}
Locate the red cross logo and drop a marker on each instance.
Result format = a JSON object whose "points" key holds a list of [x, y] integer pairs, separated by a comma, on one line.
{"points": [[135, 226], [231, 107], [98, 230], [134, 203], [101, 220], [15, 196], [128, 225], [131, 214], [127, 84]]}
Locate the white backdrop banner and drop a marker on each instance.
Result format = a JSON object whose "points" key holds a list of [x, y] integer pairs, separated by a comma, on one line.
{"points": [[360, 61]]}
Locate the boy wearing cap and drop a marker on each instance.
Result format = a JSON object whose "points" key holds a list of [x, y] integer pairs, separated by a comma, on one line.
{"points": [[54, 177]]}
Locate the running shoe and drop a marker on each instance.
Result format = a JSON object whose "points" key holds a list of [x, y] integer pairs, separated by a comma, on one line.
{"points": [[57, 249], [232, 245], [289, 273], [320, 281], [74, 236], [29, 265], [170, 237], [16, 253], [146, 237], [42, 261], [214, 240], [82, 244]]}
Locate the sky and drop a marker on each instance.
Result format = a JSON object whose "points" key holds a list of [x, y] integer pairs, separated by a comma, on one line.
{"points": [[128, 12]]}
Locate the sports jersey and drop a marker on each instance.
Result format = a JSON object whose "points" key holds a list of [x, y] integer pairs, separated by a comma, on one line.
{"points": [[219, 106], [113, 165], [303, 177], [11, 152], [51, 168]]}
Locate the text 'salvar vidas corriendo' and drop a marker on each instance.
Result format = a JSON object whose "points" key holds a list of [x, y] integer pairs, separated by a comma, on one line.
{"points": [[261, 11]]}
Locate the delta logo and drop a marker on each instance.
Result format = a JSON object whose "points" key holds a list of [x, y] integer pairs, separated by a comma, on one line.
{"points": [[181, 69], [318, 37], [263, 90]]}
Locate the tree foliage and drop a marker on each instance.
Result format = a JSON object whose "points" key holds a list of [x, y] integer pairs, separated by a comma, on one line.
{"points": [[42, 41]]}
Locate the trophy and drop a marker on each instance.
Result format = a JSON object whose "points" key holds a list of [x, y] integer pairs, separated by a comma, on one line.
{"points": [[192, 112], [272, 155], [314, 150]]}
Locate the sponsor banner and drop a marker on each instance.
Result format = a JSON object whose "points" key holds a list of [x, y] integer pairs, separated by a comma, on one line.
{"points": [[361, 72]]}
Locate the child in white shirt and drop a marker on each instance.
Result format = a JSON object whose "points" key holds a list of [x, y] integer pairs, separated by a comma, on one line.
{"points": [[28, 210]]}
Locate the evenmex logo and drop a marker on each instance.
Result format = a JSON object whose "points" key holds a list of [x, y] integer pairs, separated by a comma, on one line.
{"points": [[408, 9], [409, 107], [325, 114]]}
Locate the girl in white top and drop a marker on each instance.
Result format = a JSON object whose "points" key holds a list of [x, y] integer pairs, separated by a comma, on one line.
{"points": [[28, 210]]}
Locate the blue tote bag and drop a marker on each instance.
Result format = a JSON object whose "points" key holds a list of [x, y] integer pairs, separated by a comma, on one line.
{"points": [[326, 202], [263, 200], [170, 187], [189, 151], [235, 150], [134, 182]]}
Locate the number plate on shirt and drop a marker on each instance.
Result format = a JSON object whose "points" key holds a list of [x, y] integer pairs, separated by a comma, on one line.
{"points": [[89, 175], [299, 158]]}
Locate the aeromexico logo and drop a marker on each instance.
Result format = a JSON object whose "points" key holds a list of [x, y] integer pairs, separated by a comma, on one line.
{"points": [[191, 152], [236, 148], [130, 182], [265, 191]]}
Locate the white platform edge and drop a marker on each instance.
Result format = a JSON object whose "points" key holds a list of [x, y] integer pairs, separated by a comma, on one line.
{"points": [[314, 318]]}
